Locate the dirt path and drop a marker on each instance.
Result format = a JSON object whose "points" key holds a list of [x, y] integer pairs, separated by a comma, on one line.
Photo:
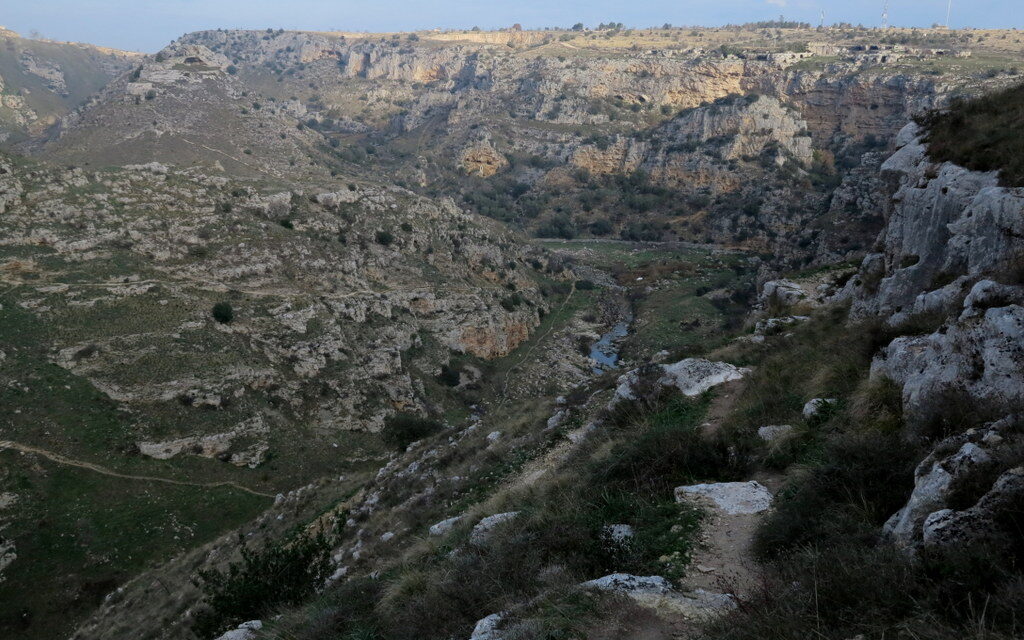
{"points": [[59, 459], [724, 561]]}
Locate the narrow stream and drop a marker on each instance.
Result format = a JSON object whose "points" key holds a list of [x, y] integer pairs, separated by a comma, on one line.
{"points": [[605, 352]]}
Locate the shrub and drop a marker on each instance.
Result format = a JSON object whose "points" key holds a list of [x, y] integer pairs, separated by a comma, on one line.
{"points": [[285, 573], [449, 376], [384, 238], [671, 450], [862, 479], [402, 429], [223, 312], [982, 134], [846, 590]]}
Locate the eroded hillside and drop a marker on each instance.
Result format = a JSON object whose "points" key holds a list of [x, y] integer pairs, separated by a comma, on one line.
{"points": [[41, 80], [164, 323], [263, 362]]}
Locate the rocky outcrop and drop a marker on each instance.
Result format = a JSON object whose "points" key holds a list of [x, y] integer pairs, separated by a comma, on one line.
{"points": [[946, 226], [977, 358], [948, 260], [482, 160], [964, 489]]}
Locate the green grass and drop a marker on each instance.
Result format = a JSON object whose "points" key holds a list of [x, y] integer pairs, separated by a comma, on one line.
{"points": [[79, 534]]}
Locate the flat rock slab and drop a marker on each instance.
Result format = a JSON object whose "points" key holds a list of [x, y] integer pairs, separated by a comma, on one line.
{"points": [[694, 376], [658, 594], [731, 498]]}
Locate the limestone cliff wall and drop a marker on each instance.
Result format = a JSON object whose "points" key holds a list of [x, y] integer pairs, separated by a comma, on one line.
{"points": [[951, 256]]}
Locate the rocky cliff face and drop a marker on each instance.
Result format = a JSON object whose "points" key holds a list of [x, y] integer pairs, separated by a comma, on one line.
{"points": [[949, 265], [483, 117]]}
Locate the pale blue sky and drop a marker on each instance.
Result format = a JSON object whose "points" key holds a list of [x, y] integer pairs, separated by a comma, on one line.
{"points": [[147, 25]]}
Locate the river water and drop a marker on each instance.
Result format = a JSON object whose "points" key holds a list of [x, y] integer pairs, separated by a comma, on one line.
{"points": [[605, 352]]}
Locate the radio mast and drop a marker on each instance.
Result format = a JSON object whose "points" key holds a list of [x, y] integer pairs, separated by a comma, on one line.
{"points": [[885, 15]]}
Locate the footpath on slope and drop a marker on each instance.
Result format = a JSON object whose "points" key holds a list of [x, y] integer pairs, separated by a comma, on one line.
{"points": [[59, 459]]}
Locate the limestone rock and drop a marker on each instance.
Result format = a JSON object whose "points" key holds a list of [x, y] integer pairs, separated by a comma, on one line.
{"points": [[775, 432], [731, 498], [486, 628], [245, 631], [817, 407], [481, 533], [694, 376], [657, 593], [482, 160], [932, 481], [982, 523], [443, 527]]}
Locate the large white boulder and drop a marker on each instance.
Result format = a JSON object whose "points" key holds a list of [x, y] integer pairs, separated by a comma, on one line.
{"points": [[731, 498], [694, 376]]}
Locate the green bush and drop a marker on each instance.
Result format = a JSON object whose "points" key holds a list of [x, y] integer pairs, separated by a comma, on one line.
{"points": [[449, 376], [384, 238], [402, 429], [862, 479], [983, 134], [285, 573], [843, 591], [223, 312], [670, 450]]}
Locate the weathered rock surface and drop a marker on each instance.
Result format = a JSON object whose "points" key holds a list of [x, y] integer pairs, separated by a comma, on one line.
{"points": [[482, 531], [657, 593], [731, 498], [245, 631]]}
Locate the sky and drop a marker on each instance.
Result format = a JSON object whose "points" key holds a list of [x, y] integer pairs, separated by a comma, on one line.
{"points": [[148, 25]]}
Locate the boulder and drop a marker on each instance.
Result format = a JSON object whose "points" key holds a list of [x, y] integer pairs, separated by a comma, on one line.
{"points": [[694, 376], [783, 292], [245, 631], [486, 628], [443, 527], [482, 531], [775, 432], [817, 407], [731, 498]]}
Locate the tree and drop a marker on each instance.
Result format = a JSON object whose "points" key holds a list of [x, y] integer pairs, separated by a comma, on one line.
{"points": [[223, 312], [578, 26], [285, 573], [402, 429]]}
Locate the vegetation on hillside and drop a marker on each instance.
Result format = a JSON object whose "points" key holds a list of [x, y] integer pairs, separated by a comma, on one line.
{"points": [[983, 134]]}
